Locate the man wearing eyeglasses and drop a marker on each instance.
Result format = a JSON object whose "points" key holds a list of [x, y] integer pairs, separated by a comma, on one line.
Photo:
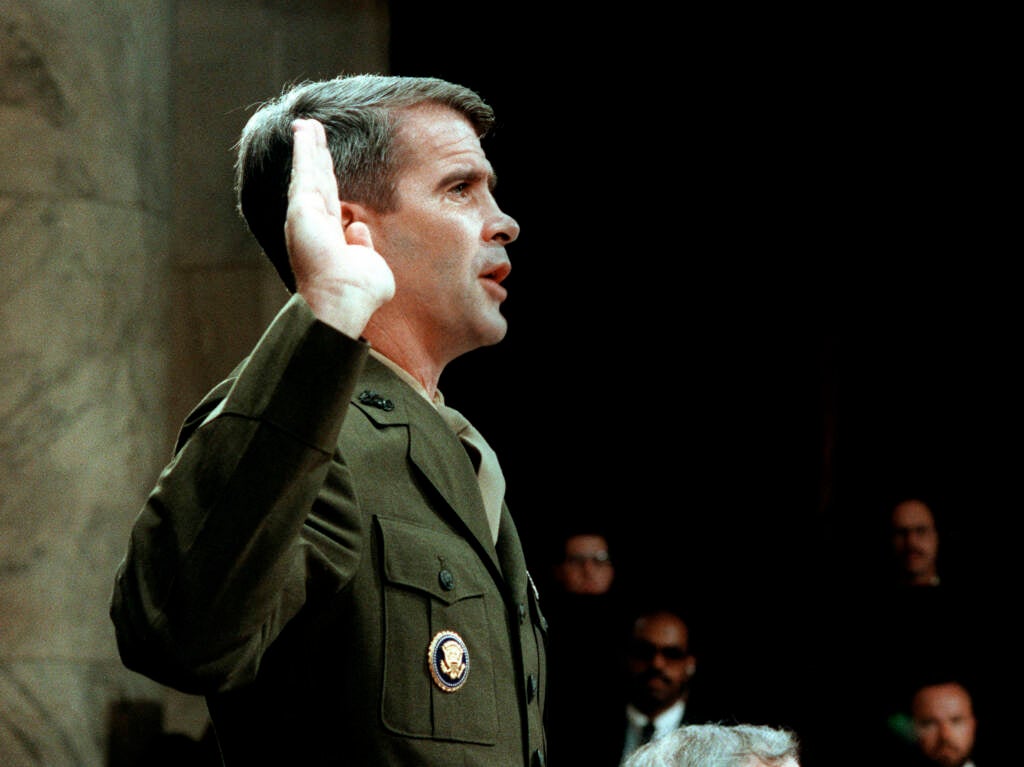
{"points": [[659, 667], [587, 567], [587, 625]]}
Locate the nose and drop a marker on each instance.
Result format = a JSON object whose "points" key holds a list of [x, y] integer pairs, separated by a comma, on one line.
{"points": [[501, 228]]}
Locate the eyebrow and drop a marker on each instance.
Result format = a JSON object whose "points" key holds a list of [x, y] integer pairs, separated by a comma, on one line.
{"points": [[474, 175], [912, 528]]}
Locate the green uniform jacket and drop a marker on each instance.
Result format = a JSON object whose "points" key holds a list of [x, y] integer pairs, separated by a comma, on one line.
{"points": [[317, 528]]}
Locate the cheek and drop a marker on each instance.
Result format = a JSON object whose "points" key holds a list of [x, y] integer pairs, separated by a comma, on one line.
{"points": [[403, 235], [964, 734]]}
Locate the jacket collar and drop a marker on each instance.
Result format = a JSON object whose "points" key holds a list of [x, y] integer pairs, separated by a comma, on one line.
{"points": [[434, 449]]}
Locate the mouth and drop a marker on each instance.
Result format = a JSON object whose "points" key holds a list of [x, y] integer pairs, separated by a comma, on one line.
{"points": [[493, 278], [657, 680], [498, 272]]}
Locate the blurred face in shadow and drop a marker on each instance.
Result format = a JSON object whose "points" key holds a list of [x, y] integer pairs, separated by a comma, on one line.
{"points": [[915, 542], [659, 664], [944, 723], [587, 567]]}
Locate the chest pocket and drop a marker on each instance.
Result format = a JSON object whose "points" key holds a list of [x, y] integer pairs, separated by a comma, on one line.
{"points": [[433, 586]]}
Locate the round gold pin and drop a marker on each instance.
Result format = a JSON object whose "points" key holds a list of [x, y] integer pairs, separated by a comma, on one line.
{"points": [[448, 658]]}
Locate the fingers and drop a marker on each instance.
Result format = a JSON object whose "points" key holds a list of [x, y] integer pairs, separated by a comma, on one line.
{"points": [[313, 173], [343, 279], [358, 233], [312, 165], [309, 140]]}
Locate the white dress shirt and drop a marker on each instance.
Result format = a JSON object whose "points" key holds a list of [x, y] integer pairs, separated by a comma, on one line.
{"points": [[665, 722]]}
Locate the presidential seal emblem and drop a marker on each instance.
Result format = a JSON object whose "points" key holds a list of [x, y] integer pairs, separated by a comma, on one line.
{"points": [[448, 658]]}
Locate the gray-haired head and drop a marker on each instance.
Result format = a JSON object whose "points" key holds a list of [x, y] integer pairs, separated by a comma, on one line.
{"points": [[361, 115], [720, 745]]}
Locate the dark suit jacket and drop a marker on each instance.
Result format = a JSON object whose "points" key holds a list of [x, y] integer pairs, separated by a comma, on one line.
{"points": [[318, 526]]}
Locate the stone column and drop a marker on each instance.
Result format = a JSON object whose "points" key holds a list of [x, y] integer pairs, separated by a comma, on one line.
{"points": [[84, 222], [130, 286]]}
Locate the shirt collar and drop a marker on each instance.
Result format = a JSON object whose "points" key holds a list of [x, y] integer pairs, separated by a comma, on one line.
{"points": [[667, 720], [402, 373]]}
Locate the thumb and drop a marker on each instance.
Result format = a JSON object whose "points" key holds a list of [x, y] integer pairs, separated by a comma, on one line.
{"points": [[358, 233]]}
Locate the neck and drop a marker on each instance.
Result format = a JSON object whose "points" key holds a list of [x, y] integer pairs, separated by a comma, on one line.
{"points": [[930, 578], [653, 712], [407, 352]]}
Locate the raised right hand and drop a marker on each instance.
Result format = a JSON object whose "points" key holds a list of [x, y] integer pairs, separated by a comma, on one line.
{"points": [[337, 271]]}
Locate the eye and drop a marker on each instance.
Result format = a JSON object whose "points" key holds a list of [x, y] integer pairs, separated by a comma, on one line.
{"points": [[460, 188]]}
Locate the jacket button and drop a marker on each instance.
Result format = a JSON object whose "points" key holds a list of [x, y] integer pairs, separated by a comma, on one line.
{"points": [[538, 759], [446, 579], [531, 687], [522, 613]]}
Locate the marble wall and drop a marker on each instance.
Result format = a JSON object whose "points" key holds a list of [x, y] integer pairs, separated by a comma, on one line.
{"points": [[130, 286]]}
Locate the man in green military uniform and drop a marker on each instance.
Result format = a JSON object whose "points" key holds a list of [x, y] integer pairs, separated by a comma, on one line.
{"points": [[324, 558]]}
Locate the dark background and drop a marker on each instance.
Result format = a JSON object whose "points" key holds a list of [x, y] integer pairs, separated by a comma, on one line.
{"points": [[765, 280], [765, 273]]}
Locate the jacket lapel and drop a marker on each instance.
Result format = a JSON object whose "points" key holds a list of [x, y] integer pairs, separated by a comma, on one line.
{"points": [[510, 554], [433, 447]]}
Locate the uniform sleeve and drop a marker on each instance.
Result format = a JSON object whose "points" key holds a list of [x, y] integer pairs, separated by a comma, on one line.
{"points": [[217, 563]]}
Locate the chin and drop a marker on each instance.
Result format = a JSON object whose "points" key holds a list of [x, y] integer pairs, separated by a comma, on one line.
{"points": [[494, 332]]}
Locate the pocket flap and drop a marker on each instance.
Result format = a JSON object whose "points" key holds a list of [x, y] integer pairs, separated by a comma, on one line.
{"points": [[440, 564]]}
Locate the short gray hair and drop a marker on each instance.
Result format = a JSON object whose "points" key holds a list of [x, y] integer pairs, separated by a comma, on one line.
{"points": [[717, 745], [361, 114]]}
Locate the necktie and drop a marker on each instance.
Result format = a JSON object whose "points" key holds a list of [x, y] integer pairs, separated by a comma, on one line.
{"points": [[488, 471], [647, 732]]}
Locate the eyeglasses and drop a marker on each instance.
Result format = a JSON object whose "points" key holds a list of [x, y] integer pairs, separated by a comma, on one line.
{"points": [[646, 651], [598, 558]]}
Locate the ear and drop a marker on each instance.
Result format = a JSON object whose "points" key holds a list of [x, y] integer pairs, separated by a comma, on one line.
{"points": [[691, 667], [353, 211], [358, 223]]}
